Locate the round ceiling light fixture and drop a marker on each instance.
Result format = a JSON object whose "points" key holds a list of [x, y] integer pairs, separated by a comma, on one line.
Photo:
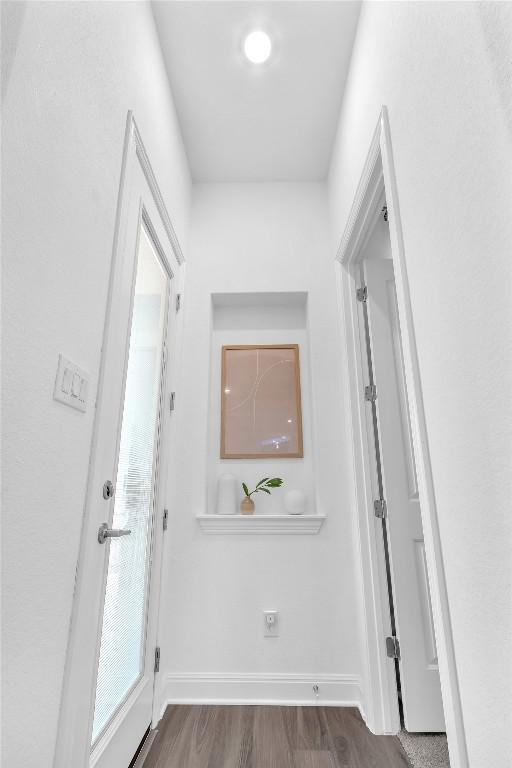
{"points": [[257, 46]]}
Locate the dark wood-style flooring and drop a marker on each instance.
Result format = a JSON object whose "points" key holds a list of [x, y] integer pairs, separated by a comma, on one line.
{"points": [[270, 737]]}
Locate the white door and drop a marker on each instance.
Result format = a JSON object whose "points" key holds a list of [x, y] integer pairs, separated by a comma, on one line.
{"points": [[107, 702], [124, 684], [419, 674]]}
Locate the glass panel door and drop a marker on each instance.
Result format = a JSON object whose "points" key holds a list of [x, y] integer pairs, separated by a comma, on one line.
{"points": [[122, 652]]}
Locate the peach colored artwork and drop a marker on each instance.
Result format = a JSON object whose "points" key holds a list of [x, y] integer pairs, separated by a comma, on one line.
{"points": [[260, 401]]}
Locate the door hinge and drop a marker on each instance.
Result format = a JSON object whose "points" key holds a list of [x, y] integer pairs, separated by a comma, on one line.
{"points": [[157, 659], [393, 647], [178, 302], [380, 508], [370, 393], [165, 519], [172, 401], [362, 294], [385, 212]]}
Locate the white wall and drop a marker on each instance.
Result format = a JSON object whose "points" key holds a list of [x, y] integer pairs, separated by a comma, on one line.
{"points": [[444, 71], [72, 71], [260, 237]]}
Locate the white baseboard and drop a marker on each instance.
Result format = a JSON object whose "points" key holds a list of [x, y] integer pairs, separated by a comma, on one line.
{"points": [[260, 688]]}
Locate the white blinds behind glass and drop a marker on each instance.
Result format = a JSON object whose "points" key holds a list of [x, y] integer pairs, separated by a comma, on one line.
{"points": [[122, 650]]}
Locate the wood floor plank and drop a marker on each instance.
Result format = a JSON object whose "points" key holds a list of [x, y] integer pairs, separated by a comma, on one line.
{"points": [[313, 759], [270, 737], [183, 748], [230, 725], [312, 729], [337, 739], [290, 716], [271, 748], [246, 746]]}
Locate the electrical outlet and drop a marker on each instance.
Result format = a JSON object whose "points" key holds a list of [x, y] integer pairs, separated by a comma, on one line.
{"points": [[271, 623]]}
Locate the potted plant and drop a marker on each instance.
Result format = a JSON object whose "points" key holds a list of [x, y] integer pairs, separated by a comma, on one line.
{"points": [[247, 504]]}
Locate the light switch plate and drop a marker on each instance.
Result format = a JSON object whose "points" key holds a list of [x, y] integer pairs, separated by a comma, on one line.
{"points": [[71, 384]]}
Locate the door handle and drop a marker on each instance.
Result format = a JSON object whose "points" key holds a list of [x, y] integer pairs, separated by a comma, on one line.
{"points": [[104, 533]]}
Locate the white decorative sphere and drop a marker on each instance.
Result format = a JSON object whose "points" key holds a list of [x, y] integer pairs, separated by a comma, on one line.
{"points": [[295, 502]]}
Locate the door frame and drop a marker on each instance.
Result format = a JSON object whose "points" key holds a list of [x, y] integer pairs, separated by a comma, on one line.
{"points": [[77, 700], [378, 182]]}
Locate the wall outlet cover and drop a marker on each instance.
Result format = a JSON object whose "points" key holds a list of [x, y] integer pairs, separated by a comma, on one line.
{"points": [[271, 623]]}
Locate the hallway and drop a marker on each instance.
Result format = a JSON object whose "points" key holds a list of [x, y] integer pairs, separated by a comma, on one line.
{"points": [[256, 383]]}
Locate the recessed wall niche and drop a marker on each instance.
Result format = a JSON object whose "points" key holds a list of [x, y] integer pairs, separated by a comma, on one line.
{"points": [[267, 318]]}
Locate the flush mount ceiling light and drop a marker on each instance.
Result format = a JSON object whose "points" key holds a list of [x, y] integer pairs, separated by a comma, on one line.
{"points": [[257, 46]]}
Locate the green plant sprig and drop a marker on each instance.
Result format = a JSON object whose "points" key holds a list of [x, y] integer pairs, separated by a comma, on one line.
{"points": [[263, 485]]}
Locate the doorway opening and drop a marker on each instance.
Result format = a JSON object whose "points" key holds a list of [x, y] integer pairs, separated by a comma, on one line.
{"points": [[418, 589], [378, 248], [397, 514]]}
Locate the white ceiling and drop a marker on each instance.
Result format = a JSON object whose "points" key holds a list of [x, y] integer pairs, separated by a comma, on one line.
{"points": [[241, 122]]}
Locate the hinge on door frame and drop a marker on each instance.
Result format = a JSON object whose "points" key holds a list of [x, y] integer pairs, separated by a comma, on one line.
{"points": [[380, 508], [178, 302], [165, 519], [157, 659], [393, 647], [172, 401], [362, 294], [370, 393]]}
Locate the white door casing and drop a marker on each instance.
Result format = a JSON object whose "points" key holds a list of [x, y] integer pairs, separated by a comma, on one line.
{"points": [[139, 200], [377, 181], [419, 673]]}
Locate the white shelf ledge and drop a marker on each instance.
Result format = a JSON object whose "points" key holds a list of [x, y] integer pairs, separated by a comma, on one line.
{"points": [[260, 524]]}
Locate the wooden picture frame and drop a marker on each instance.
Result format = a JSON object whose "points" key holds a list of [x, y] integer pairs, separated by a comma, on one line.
{"points": [[261, 414]]}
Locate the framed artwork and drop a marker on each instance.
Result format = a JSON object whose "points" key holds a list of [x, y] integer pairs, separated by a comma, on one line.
{"points": [[260, 402]]}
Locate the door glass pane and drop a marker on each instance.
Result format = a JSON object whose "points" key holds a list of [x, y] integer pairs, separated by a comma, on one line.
{"points": [[121, 662]]}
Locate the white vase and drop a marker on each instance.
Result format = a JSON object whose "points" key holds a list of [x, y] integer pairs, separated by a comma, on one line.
{"points": [[226, 495], [295, 502]]}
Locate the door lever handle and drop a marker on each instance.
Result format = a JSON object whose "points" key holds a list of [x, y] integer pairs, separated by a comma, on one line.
{"points": [[104, 533]]}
